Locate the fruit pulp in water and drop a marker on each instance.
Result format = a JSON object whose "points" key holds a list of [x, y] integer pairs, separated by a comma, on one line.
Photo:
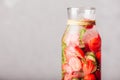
{"points": [[81, 53]]}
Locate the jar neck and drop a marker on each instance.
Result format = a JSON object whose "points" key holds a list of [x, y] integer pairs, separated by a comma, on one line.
{"points": [[81, 16], [81, 13]]}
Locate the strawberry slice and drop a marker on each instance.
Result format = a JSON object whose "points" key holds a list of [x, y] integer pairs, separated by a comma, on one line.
{"points": [[90, 77], [75, 63], [71, 38], [67, 77], [95, 44], [69, 54], [70, 51], [73, 76], [77, 74], [79, 52], [98, 56], [89, 67], [67, 68]]}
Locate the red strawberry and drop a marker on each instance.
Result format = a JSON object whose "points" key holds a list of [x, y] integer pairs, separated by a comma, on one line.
{"points": [[79, 52], [91, 23], [92, 39], [89, 77], [89, 26], [86, 49], [95, 44], [98, 56], [98, 75], [75, 63], [89, 67]]}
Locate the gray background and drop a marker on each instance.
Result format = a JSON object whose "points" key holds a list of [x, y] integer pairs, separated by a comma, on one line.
{"points": [[31, 31]]}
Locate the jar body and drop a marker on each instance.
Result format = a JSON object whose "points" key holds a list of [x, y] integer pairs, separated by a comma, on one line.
{"points": [[81, 51]]}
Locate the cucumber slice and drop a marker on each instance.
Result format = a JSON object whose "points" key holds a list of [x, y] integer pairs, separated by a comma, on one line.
{"points": [[75, 79], [63, 53], [82, 32], [91, 56]]}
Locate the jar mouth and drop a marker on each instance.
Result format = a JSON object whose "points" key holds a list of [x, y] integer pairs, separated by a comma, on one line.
{"points": [[82, 8], [81, 13]]}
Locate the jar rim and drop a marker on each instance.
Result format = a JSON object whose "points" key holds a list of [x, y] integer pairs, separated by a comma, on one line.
{"points": [[82, 8]]}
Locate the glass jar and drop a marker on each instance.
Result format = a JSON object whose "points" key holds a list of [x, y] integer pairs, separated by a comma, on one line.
{"points": [[81, 46]]}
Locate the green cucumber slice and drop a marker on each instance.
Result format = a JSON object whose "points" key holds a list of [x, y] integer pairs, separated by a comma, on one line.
{"points": [[63, 53], [82, 32], [75, 79], [91, 56]]}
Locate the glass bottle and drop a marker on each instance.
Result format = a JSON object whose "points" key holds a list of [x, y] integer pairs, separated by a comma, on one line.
{"points": [[81, 46]]}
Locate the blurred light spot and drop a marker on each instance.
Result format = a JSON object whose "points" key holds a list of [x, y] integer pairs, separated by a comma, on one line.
{"points": [[10, 3]]}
